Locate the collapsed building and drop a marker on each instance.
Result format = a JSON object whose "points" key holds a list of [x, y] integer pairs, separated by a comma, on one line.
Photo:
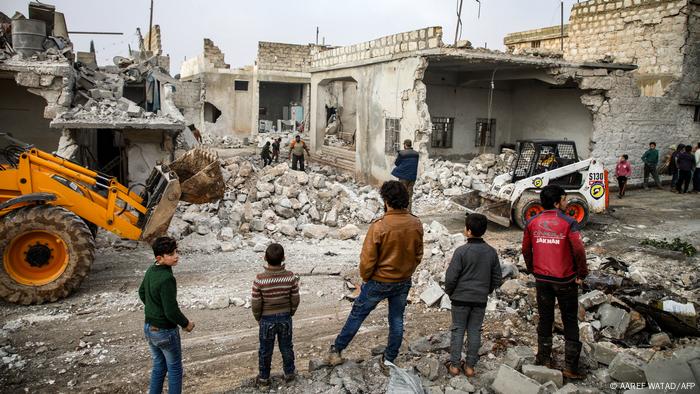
{"points": [[628, 75], [120, 119], [271, 95]]}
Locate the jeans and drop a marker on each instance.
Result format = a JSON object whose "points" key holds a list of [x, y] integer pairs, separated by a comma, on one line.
{"points": [[696, 180], [674, 178], [167, 357], [279, 326], [622, 182], [651, 170], [469, 319], [267, 160], [409, 186], [297, 159], [371, 294], [567, 296], [683, 181]]}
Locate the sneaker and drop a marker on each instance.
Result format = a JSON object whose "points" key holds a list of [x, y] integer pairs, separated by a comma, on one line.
{"points": [[334, 358], [260, 382], [290, 378], [386, 371]]}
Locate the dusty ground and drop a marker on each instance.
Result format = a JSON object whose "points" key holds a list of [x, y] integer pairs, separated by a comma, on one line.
{"points": [[93, 342]]}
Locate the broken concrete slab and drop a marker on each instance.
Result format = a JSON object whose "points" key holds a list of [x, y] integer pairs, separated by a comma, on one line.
{"points": [[627, 368], [431, 343], [509, 381], [461, 383], [660, 340], [671, 371], [570, 388], [517, 356], [543, 374], [429, 368]]}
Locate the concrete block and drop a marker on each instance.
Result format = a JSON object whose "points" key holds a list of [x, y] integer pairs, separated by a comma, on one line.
{"points": [[616, 318], [509, 381], [461, 383], [517, 356], [660, 339], [543, 374], [568, 389], [627, 368], [604, 352], [432, 294]]}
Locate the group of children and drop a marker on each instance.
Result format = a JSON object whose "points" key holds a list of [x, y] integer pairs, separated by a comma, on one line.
{"points": [[267, 156], [473, 273]]}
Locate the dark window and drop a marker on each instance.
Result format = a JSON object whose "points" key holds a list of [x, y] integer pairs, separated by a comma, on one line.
{"points": [[441, 137], [392, 135], [240, 85], [696, 117], [485, 132], [535, 44]]}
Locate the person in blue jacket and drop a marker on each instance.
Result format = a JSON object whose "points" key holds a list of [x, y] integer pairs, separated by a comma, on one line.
{"points": [[407, 168]]}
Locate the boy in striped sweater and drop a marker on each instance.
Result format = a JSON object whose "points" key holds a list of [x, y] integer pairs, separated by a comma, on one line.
{"points": [[275, 299]]}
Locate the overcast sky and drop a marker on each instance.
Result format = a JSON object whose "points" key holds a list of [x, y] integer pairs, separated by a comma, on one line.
{"points": [[236, 26]]}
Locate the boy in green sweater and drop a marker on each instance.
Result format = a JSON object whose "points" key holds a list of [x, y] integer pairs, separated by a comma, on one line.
{"points": [[158, 292]]}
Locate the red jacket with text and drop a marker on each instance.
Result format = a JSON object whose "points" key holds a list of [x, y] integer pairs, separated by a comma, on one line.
{"points": [[553, 249]]}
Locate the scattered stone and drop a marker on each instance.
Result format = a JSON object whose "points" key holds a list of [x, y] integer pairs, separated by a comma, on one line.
{"points": [[518, 356], [349, 231], [509, 381], [591, 299], [543, 374], [568, 389], [462, 383], [431, 343], [672, 371], [429, 367], [219, 302], [604, 352], [616, 318], [237, 301], [660, 340], [315, 231], [627, 368]]}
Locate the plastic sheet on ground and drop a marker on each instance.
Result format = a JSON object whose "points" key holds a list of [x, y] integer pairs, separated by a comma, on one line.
{"points": [[403, 381]]}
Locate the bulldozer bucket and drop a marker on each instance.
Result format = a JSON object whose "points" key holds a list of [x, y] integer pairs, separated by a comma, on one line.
{"points": [[161, 197], [201, 180], [495, 210]]}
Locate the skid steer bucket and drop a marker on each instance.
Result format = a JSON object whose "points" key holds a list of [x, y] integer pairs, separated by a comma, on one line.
{"points": [[495, 210], [160, 198], [201, 180]]}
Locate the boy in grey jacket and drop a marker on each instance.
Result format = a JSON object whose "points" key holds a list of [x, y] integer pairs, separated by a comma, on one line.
{"points": [[473, 274]]}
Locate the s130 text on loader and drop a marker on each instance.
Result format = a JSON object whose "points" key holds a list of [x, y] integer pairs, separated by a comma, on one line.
{"points": [[514, 196], [51, 208]]}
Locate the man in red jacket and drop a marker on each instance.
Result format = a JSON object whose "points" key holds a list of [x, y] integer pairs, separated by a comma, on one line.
{"points": [[554, 253]]}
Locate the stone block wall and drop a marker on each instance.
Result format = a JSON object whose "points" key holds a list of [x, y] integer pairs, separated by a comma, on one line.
{"points": [[690, 83], [648, 33], [276, 56], [548, 37], [214, 54], [187, 99], [393, 45]]}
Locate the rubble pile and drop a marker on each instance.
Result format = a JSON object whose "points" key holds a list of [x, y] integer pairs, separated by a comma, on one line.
{"points": [[276, 202], [444, 179]]}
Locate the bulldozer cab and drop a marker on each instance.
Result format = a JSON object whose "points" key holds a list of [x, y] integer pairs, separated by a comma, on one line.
{"points": [[539, 156]]}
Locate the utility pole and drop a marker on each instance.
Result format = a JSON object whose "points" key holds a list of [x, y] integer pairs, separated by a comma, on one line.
{"points": [[150, 27], [459, 20], [561, 39], [316, 35]]}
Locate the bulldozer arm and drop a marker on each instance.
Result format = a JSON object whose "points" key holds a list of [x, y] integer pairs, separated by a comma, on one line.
{"points": [[201, 180]]}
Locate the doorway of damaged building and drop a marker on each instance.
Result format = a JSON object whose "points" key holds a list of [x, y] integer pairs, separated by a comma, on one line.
{"points": [[281, 106], [103, 150], [481, 106], [337, 122]]}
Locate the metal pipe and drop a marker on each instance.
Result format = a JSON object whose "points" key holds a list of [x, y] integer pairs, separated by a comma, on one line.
{"points": [[562, 26], [150, 27], [97, 32]]}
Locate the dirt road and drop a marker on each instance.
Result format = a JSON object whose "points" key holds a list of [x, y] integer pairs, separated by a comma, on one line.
{"points": [[93, 342]]}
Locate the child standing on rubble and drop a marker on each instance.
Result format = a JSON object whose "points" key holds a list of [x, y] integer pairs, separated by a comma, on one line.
{"points": [[622, 171], [275, 298], [472, 275], [265, 155]]}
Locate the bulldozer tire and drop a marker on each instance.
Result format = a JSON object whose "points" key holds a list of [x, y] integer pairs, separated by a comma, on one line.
{"points": [[528, 206], [46, 253], [577, 208]]}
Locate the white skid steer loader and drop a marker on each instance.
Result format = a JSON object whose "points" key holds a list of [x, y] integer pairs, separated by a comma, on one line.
{"points": [[514, 196]]}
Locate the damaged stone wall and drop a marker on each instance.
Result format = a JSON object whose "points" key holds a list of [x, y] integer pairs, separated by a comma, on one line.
{"points": [[390, 89], [209, 60], [278, 56], [625, 121], [381, 49], [214, 54], [235, 105], [689, 89], [649, 33], [544, 38], [187, 99]]}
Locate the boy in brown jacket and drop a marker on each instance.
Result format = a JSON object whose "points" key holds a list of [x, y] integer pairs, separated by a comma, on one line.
{"points": [[392, 250], [275, 298]]}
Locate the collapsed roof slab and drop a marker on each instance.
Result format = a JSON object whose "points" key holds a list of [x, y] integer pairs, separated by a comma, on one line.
{"points": [[159, 125]]}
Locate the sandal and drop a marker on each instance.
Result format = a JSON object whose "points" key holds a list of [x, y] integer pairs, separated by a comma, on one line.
{"points": [[452, 370]]}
